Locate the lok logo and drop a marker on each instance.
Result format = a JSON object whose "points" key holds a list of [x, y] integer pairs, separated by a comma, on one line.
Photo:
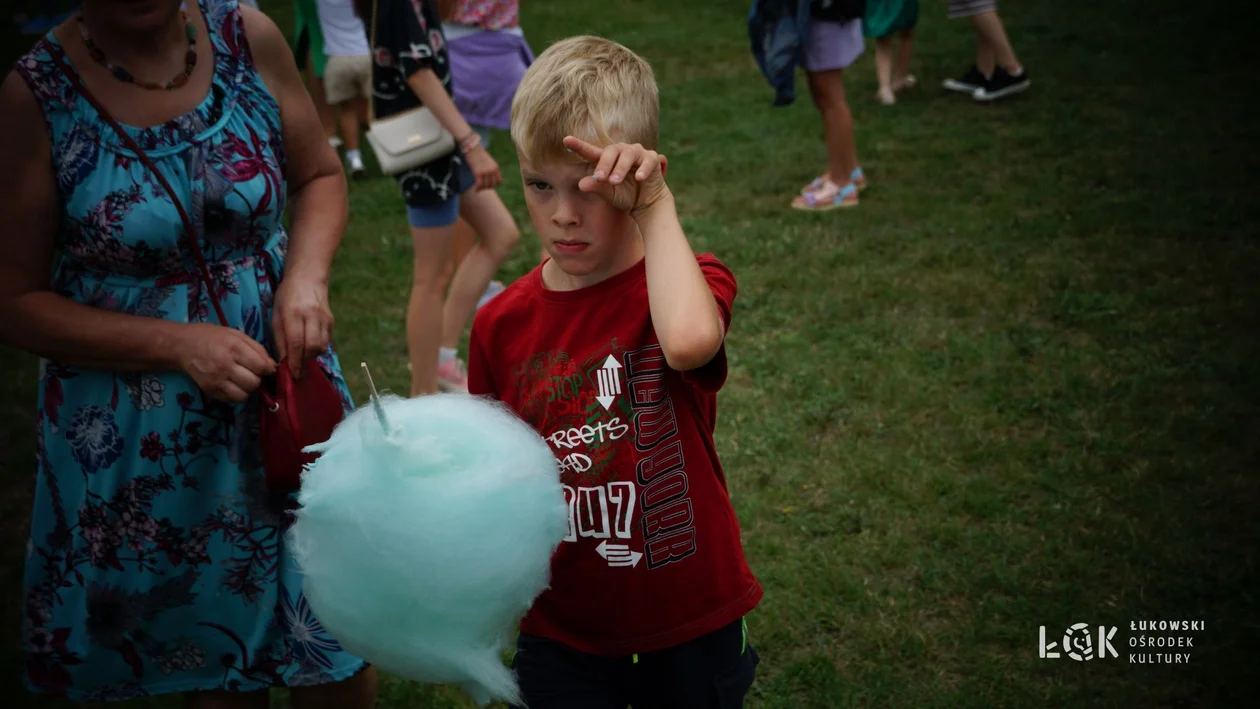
{"points": [[1078, 643]]}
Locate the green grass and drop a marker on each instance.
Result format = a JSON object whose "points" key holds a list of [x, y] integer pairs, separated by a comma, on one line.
{"points": [[1016, 387]]}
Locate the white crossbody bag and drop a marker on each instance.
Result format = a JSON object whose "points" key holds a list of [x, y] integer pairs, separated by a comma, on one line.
{"points": [[406, 140]]}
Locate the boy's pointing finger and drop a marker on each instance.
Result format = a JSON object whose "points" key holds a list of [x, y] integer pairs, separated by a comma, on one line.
{"points": [[584, 149]]}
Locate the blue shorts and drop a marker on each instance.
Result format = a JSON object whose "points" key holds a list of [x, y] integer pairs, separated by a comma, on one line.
{"points": [[443, 214], [447, 212]]}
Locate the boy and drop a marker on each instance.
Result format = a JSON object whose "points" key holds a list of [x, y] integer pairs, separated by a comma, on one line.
{"points": [[613, 350], [347, 73]]}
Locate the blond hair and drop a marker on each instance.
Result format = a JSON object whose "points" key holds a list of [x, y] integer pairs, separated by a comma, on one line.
{"points": [[588, 87]]}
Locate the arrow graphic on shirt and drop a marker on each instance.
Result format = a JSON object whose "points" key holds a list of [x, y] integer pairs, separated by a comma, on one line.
{"points": [[618, 554], [609, 382]]}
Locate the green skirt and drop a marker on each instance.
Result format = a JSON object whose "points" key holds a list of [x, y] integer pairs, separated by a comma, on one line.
{"points": [[887, 17]]}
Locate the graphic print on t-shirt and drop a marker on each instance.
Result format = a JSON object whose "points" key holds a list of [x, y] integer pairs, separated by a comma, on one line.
{"points": [[578, 407], [585, 410], [668, 520]]}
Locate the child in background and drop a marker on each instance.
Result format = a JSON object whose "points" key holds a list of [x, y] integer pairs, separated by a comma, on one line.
{"points": [[489, 55], [412, 69], [310, 56], [833, 44], [347, 73], [884, 20], [613, 350]]}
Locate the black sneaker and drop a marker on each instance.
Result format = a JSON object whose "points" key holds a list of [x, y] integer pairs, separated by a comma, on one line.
{"points": [[1002, 84], [971, 81]]}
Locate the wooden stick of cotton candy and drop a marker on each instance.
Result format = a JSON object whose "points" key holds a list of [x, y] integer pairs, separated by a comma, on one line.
{"points": [[425, 530]]}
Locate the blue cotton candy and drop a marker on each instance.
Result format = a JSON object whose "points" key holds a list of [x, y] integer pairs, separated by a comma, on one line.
{"points": [[424, 533]]}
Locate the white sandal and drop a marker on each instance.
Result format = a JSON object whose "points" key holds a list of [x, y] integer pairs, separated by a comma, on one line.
{"points": [[907, 82]]}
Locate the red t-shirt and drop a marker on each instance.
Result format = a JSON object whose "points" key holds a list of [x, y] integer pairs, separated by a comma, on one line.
{"points": [[653, 555]]}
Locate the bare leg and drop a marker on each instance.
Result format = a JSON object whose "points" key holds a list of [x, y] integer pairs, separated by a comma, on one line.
{"points": [[984, 52], [883, 69], [820, 104], [327, 117], [350, 126], [827, 88], [490, 218], [465, 238], [227, 700], [837, 123], [992, 38], [902, 79], [430, 276], [327, 113], [357, 692]]}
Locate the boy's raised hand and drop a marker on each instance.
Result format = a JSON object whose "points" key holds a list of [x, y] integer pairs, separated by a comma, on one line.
{"points": [[630, 177]]}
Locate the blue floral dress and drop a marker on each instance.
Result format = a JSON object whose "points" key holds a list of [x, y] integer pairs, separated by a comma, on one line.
{"points": [[156, 561]]}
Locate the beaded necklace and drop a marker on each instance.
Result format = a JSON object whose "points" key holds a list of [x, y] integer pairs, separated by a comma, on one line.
{"points": [[190, 57]]}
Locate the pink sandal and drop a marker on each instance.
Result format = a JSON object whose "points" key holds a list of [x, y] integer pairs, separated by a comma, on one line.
{"points": [[828, 197], [858, 178]]}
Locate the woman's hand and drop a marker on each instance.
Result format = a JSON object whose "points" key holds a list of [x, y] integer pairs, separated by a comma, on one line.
{"points": [[484, 168], [226, 364], [301, 321]]}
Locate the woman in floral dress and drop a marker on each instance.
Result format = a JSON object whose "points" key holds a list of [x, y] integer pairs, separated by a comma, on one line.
{"points": [[156, 561]]}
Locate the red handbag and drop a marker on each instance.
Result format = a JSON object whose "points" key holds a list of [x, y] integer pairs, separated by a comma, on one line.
{"points": [[293, 413]]}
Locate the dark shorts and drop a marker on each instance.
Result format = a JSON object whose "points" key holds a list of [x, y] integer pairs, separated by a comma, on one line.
{"points": [[711, 672]]}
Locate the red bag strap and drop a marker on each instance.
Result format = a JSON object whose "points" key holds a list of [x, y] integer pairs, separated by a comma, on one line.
{"points": [[191, 233]]}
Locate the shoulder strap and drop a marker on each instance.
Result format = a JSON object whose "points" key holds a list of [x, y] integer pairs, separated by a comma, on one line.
{"points": [[372, 69], [59, 56]]}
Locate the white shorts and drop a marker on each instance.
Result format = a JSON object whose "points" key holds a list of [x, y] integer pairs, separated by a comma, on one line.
{"points": [[348, 77]]}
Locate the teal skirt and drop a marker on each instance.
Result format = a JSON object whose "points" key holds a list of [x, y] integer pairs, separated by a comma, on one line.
{"points": [[885, 18]]}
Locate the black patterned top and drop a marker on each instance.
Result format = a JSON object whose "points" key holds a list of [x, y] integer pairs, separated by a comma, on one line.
{"points": [[409, 38]]}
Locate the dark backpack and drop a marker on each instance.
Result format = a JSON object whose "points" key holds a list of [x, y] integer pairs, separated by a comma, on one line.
{"points": [[837, 10]]}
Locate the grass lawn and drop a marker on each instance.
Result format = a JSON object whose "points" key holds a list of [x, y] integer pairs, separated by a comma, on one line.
{"points": [[1016, 387]]}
